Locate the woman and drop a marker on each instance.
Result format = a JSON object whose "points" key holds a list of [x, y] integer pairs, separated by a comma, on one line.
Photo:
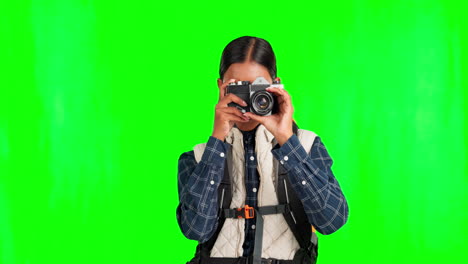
{"points": [[258, 188]]}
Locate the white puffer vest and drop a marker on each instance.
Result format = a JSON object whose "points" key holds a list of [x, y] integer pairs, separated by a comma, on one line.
{"points": [[278, 240]]}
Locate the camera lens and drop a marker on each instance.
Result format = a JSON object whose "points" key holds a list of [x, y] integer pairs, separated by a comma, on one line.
{"points": [[262, 102]]}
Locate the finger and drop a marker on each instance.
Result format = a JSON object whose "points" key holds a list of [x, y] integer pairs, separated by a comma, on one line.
{"points": [[232, 98], [284, 99], [222, 89], [278, 91], [233, 117], [255, 117], [285, 107], [232, 110]]}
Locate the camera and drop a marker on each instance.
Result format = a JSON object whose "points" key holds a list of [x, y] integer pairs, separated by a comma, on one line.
{"points": [[259, 100]]}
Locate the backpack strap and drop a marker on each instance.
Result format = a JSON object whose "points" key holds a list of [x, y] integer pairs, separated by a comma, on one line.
{"points": [[296, 218], [224, 201]]}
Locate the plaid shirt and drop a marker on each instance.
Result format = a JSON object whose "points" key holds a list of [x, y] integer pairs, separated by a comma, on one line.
{"points": [[310, 175]]}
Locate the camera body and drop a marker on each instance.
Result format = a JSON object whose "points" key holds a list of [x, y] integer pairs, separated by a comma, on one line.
{"points": [[259, 100]]}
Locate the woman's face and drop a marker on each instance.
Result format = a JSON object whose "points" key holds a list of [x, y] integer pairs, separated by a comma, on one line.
{"points": [[245, 71]]}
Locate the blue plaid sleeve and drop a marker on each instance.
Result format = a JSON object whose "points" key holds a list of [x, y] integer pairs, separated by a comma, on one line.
{"points": [[312, 179], [197, 185]]}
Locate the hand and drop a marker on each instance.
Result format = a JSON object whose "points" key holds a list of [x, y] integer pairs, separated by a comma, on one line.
{"points": [[279, 124], [225, 115]]}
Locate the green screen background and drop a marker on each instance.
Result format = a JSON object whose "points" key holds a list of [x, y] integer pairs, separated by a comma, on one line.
{"points": [[98, 100]]}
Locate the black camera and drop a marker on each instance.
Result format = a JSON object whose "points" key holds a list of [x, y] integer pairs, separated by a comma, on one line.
{"points": [[259, 101]]}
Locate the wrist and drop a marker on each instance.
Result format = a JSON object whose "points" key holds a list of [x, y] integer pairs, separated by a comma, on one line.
{"points": [[218, 136], [283, 137]]}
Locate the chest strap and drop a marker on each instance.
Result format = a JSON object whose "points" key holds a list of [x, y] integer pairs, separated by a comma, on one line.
{"points": [[251, 212]]}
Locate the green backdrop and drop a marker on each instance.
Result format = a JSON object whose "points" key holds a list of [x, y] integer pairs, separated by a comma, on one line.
{"points": [[99, 98]]}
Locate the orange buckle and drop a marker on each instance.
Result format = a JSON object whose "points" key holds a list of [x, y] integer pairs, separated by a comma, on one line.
{"points": [[249, 212]]}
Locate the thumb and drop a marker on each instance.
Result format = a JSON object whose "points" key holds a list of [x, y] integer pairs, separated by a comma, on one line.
{"points": [[254, 117]]}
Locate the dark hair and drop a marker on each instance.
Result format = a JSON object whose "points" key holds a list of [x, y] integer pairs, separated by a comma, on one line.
{"points": [[251, 49]]}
